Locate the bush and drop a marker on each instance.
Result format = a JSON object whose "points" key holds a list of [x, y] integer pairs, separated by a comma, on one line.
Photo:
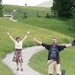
{"points": [[47, 15], [71, 22]]}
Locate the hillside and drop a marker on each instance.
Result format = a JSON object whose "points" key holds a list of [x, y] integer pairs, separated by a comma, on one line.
{"points": [[39, 61], [20, 29], [52, 23], [24, 8], [46, 4], [39, 28]]}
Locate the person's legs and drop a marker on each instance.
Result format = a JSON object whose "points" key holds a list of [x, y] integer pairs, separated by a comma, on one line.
{"points": [[21, 61], [17, 63], [21, 66], [17, 59], [51, 68], [57, 67]]}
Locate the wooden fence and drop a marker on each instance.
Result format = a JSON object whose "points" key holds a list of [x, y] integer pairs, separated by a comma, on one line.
{"points": [[30, 14]]}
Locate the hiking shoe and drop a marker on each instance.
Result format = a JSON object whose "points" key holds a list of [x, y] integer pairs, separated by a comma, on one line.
{"points": [[17, 69], [21, 69]]}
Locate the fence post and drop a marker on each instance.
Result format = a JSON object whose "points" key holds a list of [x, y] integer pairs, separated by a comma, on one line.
{"points": [[25, 16], [37, 14]]}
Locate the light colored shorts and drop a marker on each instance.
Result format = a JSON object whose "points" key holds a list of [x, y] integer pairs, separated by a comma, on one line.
{"points": [[53, 67]]}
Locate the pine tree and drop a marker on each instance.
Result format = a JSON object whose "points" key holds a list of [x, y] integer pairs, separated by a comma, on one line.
{"points": [[63, 7], [73, 8], [1, 8]]}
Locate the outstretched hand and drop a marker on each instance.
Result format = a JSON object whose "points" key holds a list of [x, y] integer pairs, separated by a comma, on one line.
{"points": [[37, 41], [28, 32], [8, 33]]}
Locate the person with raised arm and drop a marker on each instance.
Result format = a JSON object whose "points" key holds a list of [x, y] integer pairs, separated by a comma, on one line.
{"points": [[18, 50], [53, 55]]}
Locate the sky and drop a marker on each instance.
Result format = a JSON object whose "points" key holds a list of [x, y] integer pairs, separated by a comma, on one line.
{"points": [[23, 2]]}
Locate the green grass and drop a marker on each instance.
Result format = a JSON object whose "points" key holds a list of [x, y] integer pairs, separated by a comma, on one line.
{"points": [[51, 24], [39, 28], [20, 29], [39, 61], [4, 70], [30, 11]]}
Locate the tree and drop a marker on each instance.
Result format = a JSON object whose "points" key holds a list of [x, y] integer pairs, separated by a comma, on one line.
{"points": [[1, 8], [63, 7], [73, 8]]}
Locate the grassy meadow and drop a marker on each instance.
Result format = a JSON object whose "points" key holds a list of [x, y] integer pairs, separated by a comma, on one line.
{"points": [[39, 61], [39, 28], [52, 23]]}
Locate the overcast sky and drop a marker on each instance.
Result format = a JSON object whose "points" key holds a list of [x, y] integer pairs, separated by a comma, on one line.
{"points": [[22, 2]]}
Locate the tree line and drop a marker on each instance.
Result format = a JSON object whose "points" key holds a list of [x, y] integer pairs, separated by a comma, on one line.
{"points": [[1, 8], [64, 8]]}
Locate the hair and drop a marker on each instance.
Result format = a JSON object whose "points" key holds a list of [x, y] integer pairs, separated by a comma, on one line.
{"points": [[17, 38], [54, 38]]}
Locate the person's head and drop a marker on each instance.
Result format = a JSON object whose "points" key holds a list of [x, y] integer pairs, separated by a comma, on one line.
{"points": [[17, 39], [54, 41]]}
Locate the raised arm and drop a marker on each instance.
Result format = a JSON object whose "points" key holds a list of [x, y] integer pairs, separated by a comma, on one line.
{"points": [[25, 36], [47, 46], [71, 44], [10, 36], [67, 45], [37, 41]]}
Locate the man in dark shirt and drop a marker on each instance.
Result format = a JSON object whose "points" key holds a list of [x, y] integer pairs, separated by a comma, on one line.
{"points": [[53, 56]]}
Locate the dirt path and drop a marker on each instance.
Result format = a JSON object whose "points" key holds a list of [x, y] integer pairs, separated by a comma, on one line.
{"points": [[27, 54]]}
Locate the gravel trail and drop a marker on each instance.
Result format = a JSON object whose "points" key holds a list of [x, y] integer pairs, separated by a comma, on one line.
{"points": [[27, 54]]}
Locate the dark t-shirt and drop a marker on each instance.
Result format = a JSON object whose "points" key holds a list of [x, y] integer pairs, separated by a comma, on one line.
{"points": [[54, 51], [48, 47]]}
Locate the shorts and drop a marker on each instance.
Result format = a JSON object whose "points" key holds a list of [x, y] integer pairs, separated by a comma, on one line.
{"points": [[53, 66]]}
